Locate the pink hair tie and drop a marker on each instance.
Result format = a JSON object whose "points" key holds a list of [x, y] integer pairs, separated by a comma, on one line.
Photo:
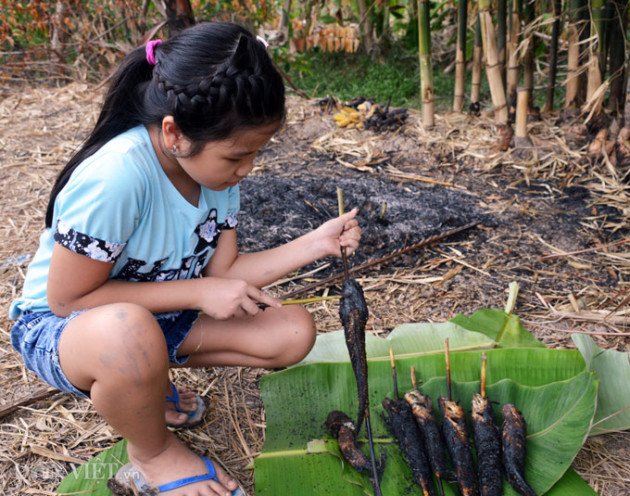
{"points": [[149, 50]]}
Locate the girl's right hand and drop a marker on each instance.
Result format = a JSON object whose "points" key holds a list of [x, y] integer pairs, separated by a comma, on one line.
{"points": [[223, 299]]}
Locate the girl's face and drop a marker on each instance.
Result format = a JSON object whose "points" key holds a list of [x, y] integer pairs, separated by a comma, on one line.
{"points": [[222, 164]]}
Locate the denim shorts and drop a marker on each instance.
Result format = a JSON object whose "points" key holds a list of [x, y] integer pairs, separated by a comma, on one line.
{"points": [[36, 336]]}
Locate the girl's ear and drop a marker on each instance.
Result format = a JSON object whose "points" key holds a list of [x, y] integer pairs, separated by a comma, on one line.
{"points": [[171, 133]]}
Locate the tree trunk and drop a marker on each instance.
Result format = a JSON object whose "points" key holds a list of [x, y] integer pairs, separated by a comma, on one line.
{"points": [[426, 68], [493, 71], [475, 83], [460, 57], [365, 28], [513, 58], [553, 55], [283, 26]]}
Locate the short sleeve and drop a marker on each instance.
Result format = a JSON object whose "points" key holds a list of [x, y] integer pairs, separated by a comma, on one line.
{"points": [[234, 205], [98, 209]]}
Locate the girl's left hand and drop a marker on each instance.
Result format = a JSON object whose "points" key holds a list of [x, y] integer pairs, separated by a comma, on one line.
{"points": [[342, 231]]}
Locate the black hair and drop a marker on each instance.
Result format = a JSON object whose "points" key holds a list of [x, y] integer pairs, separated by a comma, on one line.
{"points": [[213, 78]]}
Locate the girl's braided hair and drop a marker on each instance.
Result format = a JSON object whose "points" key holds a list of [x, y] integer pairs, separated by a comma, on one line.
{"points": [[213, 78]]}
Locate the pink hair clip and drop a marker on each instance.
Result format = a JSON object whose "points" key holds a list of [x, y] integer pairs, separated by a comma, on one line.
{"points": [[149, 51]]}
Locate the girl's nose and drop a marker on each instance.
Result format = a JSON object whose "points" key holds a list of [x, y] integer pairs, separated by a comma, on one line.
{"points": [[245, 169]]}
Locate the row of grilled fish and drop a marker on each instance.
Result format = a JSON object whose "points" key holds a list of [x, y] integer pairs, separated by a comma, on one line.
{"points": [[427, 447]]}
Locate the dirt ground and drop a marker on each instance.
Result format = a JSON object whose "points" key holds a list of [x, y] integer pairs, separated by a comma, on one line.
{"points": [[553, 201]]}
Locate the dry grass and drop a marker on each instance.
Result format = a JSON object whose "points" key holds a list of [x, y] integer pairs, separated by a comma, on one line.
{"points": [[574, 292]]}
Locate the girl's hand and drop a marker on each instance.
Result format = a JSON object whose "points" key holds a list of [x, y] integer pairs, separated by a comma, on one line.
{"points": [[342, 231], [223, 299]]}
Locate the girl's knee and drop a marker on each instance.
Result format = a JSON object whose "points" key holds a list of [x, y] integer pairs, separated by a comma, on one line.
{"points": [[113, 341], [299, 336]]}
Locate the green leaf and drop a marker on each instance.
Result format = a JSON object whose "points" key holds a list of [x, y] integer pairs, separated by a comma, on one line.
{"points": [[331, 347], [613, 398], [551, 387], [505, 329], [90, 479], [571, 484]]}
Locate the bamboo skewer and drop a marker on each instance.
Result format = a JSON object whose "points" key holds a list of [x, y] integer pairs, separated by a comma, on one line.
{"points": [[448, 370], [394, 375], [344, 255]]}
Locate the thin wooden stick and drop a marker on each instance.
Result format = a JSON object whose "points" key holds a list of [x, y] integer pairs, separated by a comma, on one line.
{"points": [[386, 258], [586, 250], [414, 381], [448, 370], [344, 256], [394, 376], [484, 361], [29, 400]]}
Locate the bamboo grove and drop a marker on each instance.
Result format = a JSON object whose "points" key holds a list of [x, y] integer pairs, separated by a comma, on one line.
{"points": [[520, 41], [531, 51]]}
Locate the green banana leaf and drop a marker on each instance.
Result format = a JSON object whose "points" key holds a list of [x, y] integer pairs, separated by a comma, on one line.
{"points": [[90, 479], [613, 398], [551, 387], [485, 329], [505, 329]]}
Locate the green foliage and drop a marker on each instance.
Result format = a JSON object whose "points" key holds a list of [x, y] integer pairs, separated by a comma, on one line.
{"points": [[346, 76]]}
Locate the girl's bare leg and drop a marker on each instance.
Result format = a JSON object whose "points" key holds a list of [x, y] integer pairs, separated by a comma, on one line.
{"points": [[118, 353], [271, 339]]}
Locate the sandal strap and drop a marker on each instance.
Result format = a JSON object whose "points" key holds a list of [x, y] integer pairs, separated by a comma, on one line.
{"points": [[174, 398], [211, 475]]}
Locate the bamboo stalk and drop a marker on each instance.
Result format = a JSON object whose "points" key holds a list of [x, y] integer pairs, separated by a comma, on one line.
{"points": [[529, 14], [522, 110], [460, 57], [475, 84], [553, 55], [618, 28], [493, 69], [595, 75], [513, 63], [501, 33], [573, 57], [426, 68]]}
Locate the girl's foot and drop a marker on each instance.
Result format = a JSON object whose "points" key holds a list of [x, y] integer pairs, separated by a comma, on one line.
{"points": [[178, 462], [187, 403]]}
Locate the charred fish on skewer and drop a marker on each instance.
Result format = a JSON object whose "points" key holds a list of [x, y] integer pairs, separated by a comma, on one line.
{"points": [[422, 410], [514, 438], [354, 314], [487, 441], [456, 437], [406, 431]]}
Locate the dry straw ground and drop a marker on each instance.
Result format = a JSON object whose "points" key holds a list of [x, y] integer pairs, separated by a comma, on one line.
{"points": [[555, 201]]}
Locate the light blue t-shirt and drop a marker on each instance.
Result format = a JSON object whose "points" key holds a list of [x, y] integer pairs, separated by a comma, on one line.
{"points": [[119, 206]]}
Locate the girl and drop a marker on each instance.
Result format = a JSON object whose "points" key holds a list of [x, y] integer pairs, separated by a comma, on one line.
{"points": [[138, 269]]}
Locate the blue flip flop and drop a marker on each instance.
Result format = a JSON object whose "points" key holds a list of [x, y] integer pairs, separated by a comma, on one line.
{"points": [[128, 481], [194, 417]]}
